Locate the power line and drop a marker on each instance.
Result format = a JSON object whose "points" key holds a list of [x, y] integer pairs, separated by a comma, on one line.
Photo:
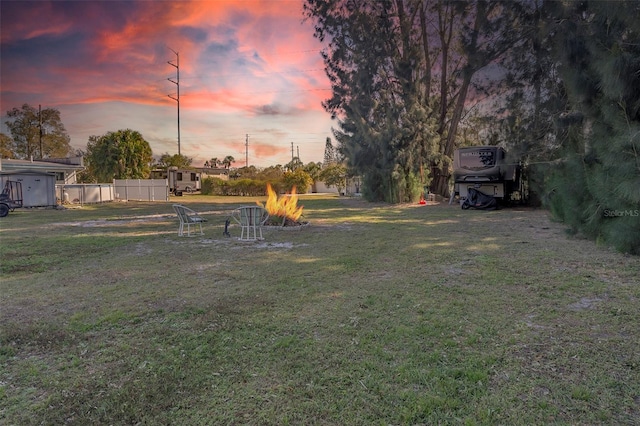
{"points": [[256, 74], [288, 91], [240, 55], [275, 91], [259, 74]]}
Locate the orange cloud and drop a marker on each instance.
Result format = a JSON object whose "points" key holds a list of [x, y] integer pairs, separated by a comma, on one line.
{"points": [[265, 150], [245, 66]]}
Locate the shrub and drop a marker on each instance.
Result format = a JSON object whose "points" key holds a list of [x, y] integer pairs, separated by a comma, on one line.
{"points": [[298, 178]]}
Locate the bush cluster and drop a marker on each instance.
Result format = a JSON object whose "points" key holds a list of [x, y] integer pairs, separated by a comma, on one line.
{"points": [[257, 187], [241, 187]]}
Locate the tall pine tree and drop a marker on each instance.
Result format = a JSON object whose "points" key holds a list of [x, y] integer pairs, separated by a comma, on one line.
{"points": [[329, 154], [402, 73], [596, 189], [372, 62]]}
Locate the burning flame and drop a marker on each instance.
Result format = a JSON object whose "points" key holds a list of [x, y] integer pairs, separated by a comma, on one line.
{"points": [[285, 207]]}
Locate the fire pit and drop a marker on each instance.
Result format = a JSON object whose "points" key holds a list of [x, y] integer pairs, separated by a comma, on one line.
{"points": [[283, 211]]}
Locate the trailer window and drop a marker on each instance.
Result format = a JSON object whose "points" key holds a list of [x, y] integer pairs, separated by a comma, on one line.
{"points": [[477, 159], [193, 177]]}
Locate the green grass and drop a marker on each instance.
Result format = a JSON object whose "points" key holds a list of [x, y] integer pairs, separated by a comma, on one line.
{"points": [[371, 315]]}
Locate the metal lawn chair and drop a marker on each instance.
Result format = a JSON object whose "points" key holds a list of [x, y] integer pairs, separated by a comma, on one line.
{"points": [[251, 219], [188, 218]]}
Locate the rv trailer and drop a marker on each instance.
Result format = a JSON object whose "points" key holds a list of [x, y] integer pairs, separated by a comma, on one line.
{"points": [[485, 169], [179, 180]]}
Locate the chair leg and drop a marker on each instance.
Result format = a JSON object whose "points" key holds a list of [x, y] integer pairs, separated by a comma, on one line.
{"points": [[248, 233]]}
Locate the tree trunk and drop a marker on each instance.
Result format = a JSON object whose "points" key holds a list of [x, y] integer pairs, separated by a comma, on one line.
{"points": [[474, 63], [427, 59]]}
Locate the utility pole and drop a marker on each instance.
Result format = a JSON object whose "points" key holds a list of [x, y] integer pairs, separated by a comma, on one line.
{"points": [[246, 151], [40, 126], [177, 83], [298, 151], [291, 151]]}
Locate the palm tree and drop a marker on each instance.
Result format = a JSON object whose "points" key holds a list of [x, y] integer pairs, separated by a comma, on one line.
{"points": [[227, 161]]}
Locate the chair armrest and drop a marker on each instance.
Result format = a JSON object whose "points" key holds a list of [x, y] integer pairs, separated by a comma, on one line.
{"points": [[264, 217]]}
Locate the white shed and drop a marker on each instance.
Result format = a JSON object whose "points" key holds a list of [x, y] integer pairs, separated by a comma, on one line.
{"points": [[38, 188]]}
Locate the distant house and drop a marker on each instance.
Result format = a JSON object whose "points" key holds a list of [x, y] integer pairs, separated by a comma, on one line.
{"points": [[352, 187], [217, 172], [64, 169]]}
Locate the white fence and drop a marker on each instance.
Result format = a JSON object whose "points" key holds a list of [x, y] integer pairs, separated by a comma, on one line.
{"points": [[120, 189], [84, 193], [141, 189]]}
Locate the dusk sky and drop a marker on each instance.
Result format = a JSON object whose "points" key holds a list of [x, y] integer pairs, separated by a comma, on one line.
{"points": [[246, 67]]}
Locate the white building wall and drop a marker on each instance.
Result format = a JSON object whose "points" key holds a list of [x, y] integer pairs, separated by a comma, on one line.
{"points": [[38, 189]]}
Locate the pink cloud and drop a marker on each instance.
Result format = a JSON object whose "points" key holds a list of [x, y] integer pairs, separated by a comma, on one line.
{"points": [[246, 62], [32, 23], [265, 150]]}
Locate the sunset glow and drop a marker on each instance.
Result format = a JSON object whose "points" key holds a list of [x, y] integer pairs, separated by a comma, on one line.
{"points": [[247, 67]]}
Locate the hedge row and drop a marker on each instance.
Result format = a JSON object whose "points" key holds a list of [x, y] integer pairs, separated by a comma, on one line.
{"points": [[240, 187]]}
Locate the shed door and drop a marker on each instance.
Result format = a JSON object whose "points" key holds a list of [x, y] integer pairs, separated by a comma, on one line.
{"points": [[37, 191]]}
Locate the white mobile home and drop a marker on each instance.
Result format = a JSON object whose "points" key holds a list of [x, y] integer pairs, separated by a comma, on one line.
{"points": [[179, 180]]}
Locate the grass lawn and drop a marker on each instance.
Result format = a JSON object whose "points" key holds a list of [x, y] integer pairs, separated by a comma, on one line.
{"points": [[371, 315]]}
